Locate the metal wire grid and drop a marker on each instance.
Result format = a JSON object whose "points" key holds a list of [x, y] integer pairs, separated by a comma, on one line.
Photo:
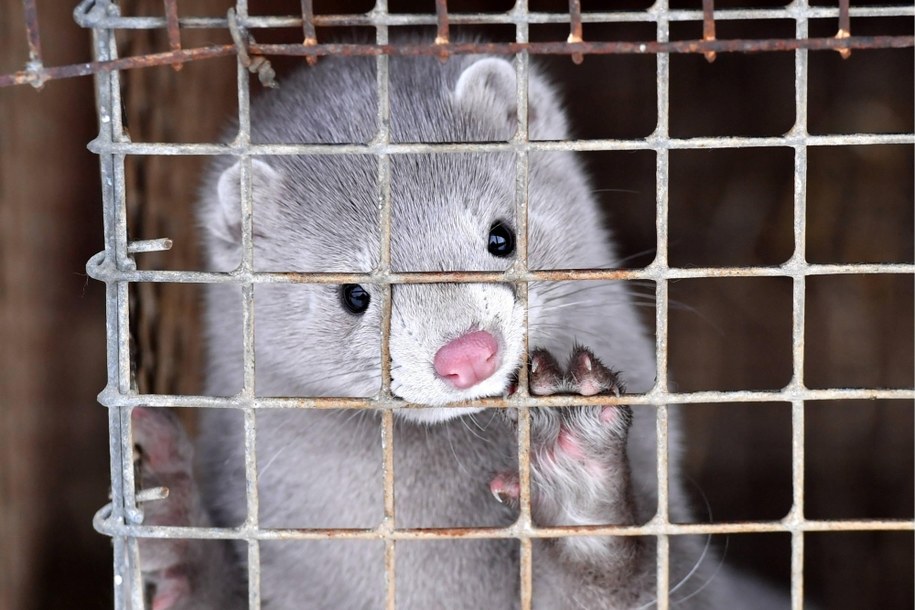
{"points": [[122, 519], [102, 14]]}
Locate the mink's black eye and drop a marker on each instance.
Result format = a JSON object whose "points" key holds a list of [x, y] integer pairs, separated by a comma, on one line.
{"points": [[355, 298], [501, 240]]}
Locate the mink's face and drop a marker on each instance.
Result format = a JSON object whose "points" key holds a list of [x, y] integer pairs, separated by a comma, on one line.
{"points": [[450, 211]]}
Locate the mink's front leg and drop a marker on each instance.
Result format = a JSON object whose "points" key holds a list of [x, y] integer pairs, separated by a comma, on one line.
{"points": [[179, 574], [580, 476]]}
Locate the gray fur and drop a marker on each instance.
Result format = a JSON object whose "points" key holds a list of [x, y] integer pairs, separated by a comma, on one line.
{"points": [[323, 468]]}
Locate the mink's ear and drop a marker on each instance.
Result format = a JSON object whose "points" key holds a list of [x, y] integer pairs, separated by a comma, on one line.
{"points": [[266, 182], [488, 90]]}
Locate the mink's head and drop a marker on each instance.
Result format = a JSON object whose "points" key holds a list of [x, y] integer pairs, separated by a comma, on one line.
{"points": [[450, 211]]}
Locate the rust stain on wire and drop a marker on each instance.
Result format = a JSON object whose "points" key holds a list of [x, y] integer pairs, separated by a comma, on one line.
{"points": [[310, 38], [104, 524], [258, 65], [442, 36], [844, 32], [171, 25], [708, 26], [575, 33], [38, 76], [593, 48]]}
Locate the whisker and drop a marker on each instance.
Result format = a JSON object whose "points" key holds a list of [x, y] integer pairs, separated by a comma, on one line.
{"points": [[705, 550], [710, 578], [469, 428], [356, 372], [627, 191], [457, 460], [708, 542], [618, 262]]}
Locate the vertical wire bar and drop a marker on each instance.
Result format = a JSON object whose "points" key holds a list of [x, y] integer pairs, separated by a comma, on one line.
{"points": [[125, 384], [844, 18], [30, 16], [134, 515], [522, 67], [708, 26], [524, 519], [310, 36], [249, 391], [171, 26], [387, 470], [844, 27], [110, 129], [799, 265], [308, 23], [387, 416], [575, 30], [441, 19], [252, 523], [383, 136], [123, 260], [661, 134]]}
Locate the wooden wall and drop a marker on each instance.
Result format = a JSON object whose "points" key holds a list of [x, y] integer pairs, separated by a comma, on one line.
{"points": [[53, 433]]}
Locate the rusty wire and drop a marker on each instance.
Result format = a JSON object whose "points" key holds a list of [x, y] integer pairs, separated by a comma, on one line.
{"points": [[37, 76], [441, 15], [844, 27], [310, 36], [575, 29], [174, 34], [88, 15], [708, 26]]}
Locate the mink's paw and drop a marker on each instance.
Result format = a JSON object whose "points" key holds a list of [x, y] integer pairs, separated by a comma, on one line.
{"points": [[163, 458], [579, 469], [587, 435]]}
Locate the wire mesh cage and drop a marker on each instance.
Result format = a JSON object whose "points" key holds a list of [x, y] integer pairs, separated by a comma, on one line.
{"points": [[528, 30]]}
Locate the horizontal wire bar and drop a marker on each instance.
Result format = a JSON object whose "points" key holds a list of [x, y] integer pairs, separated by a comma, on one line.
{"points": [[37, 75], [509, 18], [112, 528], [650, 143], [111, 398], [616, 47], [98, 269]]}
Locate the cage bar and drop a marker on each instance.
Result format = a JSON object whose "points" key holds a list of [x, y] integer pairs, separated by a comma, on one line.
{"points": [[662, 181], [101, 14], [799, 292], [383, 138], [524, 522]]}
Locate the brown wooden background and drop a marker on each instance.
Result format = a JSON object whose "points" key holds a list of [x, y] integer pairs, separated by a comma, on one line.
{"points": [[727, 208]]}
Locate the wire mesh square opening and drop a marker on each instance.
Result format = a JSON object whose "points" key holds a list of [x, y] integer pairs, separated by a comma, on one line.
{"points": [[397, 536]]}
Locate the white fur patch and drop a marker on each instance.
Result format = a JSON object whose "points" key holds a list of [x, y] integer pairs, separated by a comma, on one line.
{"points": [[425, 318]]}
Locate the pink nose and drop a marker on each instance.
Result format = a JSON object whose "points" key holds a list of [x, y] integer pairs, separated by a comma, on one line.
{"points": [[468, 360]]}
